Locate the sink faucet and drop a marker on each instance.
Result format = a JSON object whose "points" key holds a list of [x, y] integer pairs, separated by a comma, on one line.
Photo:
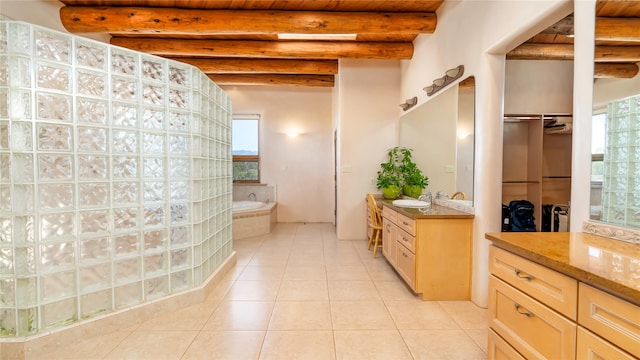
{"points": [[254, 196]]}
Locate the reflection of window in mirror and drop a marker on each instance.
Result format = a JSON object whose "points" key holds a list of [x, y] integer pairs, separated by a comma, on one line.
{"points": [[597, 161], [620, 189]]}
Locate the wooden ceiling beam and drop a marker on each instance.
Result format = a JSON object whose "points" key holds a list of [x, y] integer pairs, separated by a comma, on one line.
{"points": [[617, 29], [267, 49], [615, 70], [528, 51], [276, 66], [273, 79], [147, 20]]}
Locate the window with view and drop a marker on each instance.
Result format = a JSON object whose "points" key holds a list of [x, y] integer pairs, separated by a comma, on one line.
{"points": [[246, 157]]}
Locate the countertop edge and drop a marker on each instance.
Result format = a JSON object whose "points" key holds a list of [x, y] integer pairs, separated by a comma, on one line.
{"points": [[415, 214], [589, 278]]}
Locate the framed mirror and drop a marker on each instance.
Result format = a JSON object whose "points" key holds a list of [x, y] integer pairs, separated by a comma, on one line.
{"points": [[441, 134]]}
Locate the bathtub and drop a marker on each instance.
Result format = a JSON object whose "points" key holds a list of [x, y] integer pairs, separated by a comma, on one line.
{"points": [[253, 218], [243, 206]]}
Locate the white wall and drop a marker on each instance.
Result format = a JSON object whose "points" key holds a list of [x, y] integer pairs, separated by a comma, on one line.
{"points": [[431, 132], [477, 34], [301, 168], [367, 124], [537, 87]]}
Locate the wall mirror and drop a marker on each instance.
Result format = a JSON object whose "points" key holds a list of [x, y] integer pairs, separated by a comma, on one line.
{"points": [[441, 134], [615, 153]]}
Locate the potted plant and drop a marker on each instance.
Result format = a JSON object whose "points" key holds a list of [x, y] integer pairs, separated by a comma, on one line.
{"points": [[412, 178], [389, 177]]}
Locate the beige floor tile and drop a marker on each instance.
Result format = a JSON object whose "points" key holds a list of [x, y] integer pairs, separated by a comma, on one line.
{"points": [[191, 318], [420, 315], [253, 290], [395, 290], [240, 315], [301, 315], [93, 348], [153, 345], [307, 345], [467, 314], [480, 337], [442, 345], [306, 260], [262, 259], [353, 290], [300, 290], [270, 273], [370, 345], [225, 345], [316, 272], [362, 315], [347, 272]]}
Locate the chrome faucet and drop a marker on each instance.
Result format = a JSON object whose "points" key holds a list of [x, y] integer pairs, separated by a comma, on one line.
{"points": [[254, 196]]}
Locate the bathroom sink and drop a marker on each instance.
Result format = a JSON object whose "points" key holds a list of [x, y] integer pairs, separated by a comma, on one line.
{"points": [[409, 203]]}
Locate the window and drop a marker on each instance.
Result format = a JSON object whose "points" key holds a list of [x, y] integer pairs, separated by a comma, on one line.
{"points": [[597, 146], [246, 157]]}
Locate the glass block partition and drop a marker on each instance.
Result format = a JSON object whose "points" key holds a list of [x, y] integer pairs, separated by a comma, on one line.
{"points": [[621, 185], [115, 178]]}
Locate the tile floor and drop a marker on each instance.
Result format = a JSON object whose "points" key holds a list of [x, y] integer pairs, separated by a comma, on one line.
{"points": [[299, 293]]}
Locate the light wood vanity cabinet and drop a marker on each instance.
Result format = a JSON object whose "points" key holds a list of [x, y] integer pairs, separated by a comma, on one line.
{"points": [[422, 250], [538, 313]]}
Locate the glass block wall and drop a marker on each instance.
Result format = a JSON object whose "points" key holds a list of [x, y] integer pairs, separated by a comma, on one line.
{"points": [[115, 178], [621, 185]]}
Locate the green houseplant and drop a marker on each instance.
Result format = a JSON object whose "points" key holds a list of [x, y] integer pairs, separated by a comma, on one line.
{"points": [[389, 177], [414, 181]]}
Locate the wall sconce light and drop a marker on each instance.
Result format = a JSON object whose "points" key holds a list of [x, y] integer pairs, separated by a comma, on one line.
{"points": [[409, 103], [450, 76]]}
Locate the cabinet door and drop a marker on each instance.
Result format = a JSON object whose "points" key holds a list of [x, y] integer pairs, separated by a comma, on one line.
{"points": [[498, 349], [533, 329], [594, 347], [406, 265], [610, 317], [558, 291], [389, 231]]}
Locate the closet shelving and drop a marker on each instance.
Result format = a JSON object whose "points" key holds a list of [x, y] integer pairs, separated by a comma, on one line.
{"points": [[536, 164]]}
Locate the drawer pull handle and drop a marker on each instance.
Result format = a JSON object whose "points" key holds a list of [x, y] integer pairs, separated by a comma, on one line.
{"points": [[405, 255], [525, 313], [404, 239], [519, 274], [405, 223]]}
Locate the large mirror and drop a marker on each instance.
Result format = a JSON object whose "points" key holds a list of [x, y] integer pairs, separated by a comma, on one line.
{"points": [[441, 134], [615, 170]]}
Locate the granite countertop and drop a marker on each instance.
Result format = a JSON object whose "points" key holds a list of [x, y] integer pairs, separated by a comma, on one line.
{"points": [[610, 265], [436, 212]]}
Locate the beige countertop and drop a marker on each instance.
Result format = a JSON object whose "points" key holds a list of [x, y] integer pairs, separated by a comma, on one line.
{"points": [[610, 265], [436, 212]]}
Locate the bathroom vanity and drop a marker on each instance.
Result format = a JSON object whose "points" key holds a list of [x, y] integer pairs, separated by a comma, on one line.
{"points": [[563, 296], [431, 251]]}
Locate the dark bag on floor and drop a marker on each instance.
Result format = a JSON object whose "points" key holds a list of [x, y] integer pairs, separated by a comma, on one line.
{"points": [[522, 218]]}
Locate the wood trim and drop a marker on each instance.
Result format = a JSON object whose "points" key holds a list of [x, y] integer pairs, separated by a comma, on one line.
{"points": [[252, 66], [273, 79], [530, 51], [156, 20], [617, 29], [268, 49]]}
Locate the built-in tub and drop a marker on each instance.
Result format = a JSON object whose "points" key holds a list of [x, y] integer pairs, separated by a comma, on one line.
{"points": [[253, 218]]}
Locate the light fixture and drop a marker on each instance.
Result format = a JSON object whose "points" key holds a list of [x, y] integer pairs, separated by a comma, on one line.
{"points": [[409, 103], [450, 76], [293, 36]]}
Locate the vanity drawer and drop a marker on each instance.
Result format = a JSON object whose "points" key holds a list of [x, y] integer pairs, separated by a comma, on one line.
{"points": [[390, 214], [407, 240], [610, 317], [406, 265], [498, 349], [591, 346], [407, 224], [533, 329], [557, 291]]}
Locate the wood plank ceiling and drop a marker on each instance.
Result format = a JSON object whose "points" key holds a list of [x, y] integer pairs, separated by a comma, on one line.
{"points": [[617, 40], [239, 42]]}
